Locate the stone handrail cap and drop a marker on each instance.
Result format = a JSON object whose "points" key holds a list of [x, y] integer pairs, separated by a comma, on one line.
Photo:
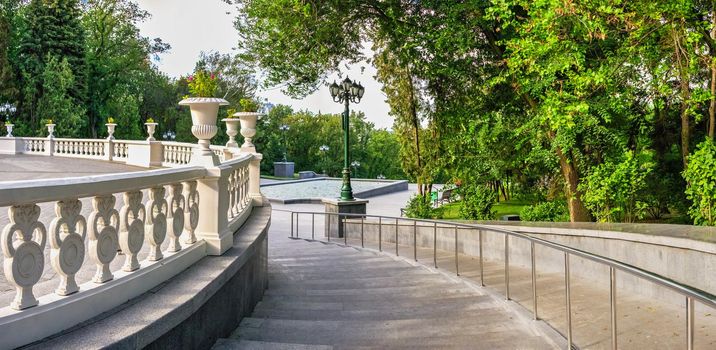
{"points": [[196, 100], [248, 114]]}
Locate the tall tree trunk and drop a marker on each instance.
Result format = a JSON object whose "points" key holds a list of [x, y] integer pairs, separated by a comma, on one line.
{"points": [[712, 105], [682, 66], [416, 127], [578, 212]]}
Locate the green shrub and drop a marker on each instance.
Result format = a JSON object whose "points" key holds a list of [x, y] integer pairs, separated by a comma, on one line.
{"points": [[614, 191], [477, 201], [546, 211], [420, 207], [701, 184]]}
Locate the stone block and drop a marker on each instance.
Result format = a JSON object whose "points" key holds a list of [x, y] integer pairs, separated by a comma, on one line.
{"points": [[283, 169], [334, 228]]}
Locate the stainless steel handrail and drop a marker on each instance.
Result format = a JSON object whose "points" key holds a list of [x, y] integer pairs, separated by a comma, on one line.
{"points": [[690, 293]]}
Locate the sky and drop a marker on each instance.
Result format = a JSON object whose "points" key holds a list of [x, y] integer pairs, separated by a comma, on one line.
{"points": [[192, 26]]}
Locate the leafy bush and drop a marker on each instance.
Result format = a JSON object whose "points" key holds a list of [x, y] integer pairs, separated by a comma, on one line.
{"points": [[477, 201], [203, 84], [614, 192], [546, 211], [421, 207], [249, 105], [701, 184]]}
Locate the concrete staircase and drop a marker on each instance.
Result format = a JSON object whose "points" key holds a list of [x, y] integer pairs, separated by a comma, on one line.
{"points": [[324, 296]]}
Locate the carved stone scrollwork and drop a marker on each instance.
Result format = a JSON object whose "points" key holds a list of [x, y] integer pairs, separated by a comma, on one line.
{"points": [[131, 228], [67, 236], [24, 259], [175, 216], [191, 211], [103, 236], [156, 225]]}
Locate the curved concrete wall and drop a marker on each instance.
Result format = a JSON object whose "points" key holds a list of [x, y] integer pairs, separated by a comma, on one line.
{"points": [[687, 261]]}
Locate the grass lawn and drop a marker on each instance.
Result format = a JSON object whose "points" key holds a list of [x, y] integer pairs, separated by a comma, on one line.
{"points": [[271, 177], [451, 211]]}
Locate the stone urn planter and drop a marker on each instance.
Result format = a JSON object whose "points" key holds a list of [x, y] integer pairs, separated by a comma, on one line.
{"points": [[9, 129], [50, 131], [151, 128], [232, 129], [110, 130], [204, 111], [248, 128]]}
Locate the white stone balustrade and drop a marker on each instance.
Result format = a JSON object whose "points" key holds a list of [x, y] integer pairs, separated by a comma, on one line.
{"points": [[139, 153], [196, 209]]}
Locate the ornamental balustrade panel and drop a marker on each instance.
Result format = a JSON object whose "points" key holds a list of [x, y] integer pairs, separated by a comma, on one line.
{"points": [[79, 148], [176, 153], [128, 216], [92, 244], [120, 150], [35, 145]]}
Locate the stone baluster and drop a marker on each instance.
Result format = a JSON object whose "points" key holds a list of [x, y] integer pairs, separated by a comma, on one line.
{"points": [[23, 243], [175, 216], [254, 180], [191, 210], [67, 236], [103, 236], [232, 194], [131, 228], [156, 225]]}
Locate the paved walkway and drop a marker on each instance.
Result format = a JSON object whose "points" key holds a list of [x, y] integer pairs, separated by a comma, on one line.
{"points": [[30, 167], [324, 296]]}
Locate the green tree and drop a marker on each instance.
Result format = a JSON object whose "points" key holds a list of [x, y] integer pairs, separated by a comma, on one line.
{"points": [[56, 103], [117, 56], [51, 27], [701, 188]]}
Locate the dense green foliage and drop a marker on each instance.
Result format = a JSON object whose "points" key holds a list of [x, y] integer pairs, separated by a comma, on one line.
{"points": [[477, 202], [701, 188], [376, 150], [545, 96], [545, 211], [420, 206]]}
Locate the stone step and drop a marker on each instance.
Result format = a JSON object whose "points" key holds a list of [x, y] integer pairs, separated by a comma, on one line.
{"points": [[398, 271], [286, 290], [241, 344], [334, 311], [358, 283], [419, 294], [365, 269], [467, 331], [484, 342], [336, 261], [378, 304]]}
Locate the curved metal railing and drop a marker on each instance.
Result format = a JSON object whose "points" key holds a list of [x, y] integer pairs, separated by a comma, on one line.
{"points": [[691, 294]]}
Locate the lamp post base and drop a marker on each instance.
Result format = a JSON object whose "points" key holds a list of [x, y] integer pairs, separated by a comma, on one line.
{"points": [[338, 225], [346, 189], [283, 169]]}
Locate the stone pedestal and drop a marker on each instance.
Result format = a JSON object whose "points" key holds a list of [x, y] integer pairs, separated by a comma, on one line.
{"points": [[334, 228], [283, 169]]}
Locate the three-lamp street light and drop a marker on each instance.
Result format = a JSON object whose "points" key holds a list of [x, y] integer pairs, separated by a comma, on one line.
{"points": [[7, 109], [169, 135], [284, 129], [345, 92], [324, 150], [355, 165]]}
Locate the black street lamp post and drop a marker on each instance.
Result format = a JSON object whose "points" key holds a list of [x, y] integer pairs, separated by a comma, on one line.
{"points": [[284, 129], [345, 93]]}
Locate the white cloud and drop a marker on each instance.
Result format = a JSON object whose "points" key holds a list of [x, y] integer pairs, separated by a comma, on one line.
{"points": [[192, 26]]}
